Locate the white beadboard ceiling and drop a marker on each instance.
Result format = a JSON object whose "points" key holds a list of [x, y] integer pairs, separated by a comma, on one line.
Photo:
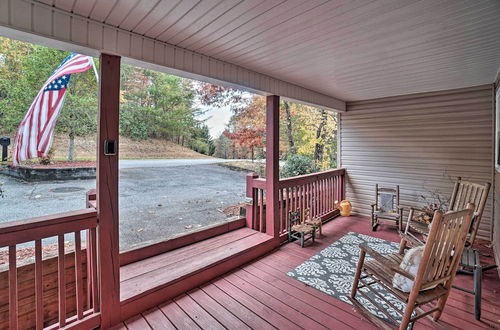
{"points": [[348, 49]]}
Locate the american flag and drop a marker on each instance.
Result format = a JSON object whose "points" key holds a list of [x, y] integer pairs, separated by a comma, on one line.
{"points": [[35, 133]]}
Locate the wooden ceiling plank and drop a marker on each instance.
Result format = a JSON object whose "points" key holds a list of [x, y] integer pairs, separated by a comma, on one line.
{"points": [[156, 15], [194, 14], [137, 13], [238, 21], [231, 15], [267, 26], [407, 56], [102, 9], [209, 17], [122, 9], [346, 21], [254, 23], [171, 17], [429, 32], [63, 4], [83, 7]]}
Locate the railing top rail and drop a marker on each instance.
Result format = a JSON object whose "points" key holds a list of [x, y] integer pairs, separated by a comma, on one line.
{"points": [[308, 178], [260, 183], [48, 220]]}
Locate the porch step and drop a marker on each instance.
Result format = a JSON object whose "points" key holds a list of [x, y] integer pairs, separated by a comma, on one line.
{"points": [[151, 281]]}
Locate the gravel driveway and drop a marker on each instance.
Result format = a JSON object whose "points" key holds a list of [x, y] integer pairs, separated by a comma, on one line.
{"points": [[157, 200]]}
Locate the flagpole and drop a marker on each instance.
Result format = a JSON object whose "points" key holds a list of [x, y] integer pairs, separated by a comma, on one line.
{"points": [[95, 70]]}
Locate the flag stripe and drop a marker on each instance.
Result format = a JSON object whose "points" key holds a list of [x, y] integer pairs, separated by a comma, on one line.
{"points": [[34, 136]]}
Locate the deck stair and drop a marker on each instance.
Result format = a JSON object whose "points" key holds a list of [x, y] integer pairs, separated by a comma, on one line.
{"points": [[150, 281]]}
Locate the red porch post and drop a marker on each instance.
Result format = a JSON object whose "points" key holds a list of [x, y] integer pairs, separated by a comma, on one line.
{"points": [[107, 190], [272, 164]]}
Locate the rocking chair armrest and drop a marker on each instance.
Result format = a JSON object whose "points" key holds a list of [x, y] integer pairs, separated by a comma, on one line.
{"points": [[374, 206], [386, 262], [409, 238], [400, 207], [416, 209]]}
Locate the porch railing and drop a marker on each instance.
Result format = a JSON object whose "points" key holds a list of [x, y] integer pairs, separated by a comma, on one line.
{"points": [[316, 192], [56, 292]]}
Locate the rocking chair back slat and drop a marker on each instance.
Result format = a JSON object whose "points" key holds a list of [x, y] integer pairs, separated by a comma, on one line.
{"points": [[444, 246], [466, 192]]}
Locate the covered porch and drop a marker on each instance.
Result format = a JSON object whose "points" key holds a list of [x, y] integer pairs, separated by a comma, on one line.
{"points": [[260, 295], [424, 117]]}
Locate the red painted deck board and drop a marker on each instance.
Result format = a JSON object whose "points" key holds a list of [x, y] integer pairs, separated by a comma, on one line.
{"points": [[226, 318], [157, 320], [260, 295]]}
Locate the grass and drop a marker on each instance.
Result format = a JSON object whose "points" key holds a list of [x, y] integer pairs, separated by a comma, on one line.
{"points": [[246, 166], [85, 149]]}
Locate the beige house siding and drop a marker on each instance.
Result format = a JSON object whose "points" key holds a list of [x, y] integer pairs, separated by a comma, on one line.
{"points": [[421, 142], [496, 206]]}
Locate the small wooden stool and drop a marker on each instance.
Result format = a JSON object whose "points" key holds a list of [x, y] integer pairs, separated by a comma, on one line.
{"points": [[317, 225], [299, 230]]}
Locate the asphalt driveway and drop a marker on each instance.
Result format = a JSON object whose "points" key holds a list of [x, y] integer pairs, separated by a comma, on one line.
{"points": [[158, 198]]}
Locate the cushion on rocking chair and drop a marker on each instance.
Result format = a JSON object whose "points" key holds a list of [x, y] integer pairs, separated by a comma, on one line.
{"points": [[410, 263]]}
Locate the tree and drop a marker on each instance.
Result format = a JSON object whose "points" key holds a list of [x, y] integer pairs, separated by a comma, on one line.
{"points": [[222, 146], [216, 95], [158, 105], [320, 137], [291, 142], [247, 126]]}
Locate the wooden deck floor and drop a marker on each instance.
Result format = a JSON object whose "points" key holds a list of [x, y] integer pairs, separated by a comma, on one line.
{"points": [[260, 295]]}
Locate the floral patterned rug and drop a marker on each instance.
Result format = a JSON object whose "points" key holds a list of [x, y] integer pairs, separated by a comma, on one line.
{"points": [[332, 271]]}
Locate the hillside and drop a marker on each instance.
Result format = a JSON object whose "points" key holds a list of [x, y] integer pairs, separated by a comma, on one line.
{"points": [[85, 148]]}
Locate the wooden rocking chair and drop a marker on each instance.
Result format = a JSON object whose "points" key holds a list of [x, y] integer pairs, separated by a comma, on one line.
{"points": [[387, 207], [433, 280], [464, 192], [299, 230]]}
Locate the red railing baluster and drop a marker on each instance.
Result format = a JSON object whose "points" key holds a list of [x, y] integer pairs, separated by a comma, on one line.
{"points": [[61, 281], [38, 284], [89, 269], [12, 287], [78, 275], [261, 212], [316, 192], [93, 263]]}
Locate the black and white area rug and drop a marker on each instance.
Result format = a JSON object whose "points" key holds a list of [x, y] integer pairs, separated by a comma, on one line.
{"points": [[332, 271]]}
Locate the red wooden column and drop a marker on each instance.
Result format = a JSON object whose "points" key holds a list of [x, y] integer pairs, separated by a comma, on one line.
{"points": [[107, 190], [272, 164]]}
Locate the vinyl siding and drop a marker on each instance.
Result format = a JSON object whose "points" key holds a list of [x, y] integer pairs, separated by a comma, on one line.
{"points": [[496, 187], [421, 142]]}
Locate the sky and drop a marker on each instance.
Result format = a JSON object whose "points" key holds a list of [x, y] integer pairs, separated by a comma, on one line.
{"points": [[216, 119]]}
